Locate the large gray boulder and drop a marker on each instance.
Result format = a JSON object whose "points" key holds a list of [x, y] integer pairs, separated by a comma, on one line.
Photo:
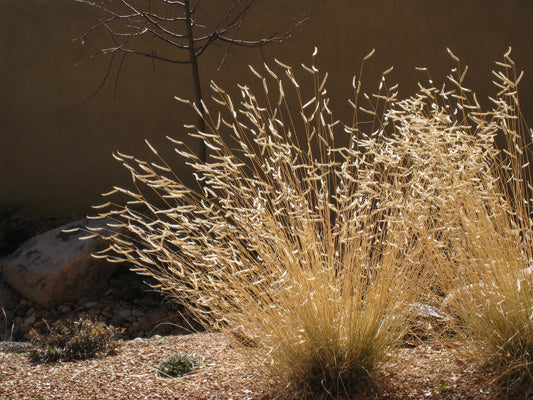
{"points": [[56, 267]]}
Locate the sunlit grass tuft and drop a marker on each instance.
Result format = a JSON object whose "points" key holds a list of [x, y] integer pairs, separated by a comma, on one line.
{"points": [[296, 241], [480, 230]]}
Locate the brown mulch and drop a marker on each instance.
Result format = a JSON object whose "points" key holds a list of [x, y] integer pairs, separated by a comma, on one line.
{"points": [[424, 371], [436, 371], [131, 374]]}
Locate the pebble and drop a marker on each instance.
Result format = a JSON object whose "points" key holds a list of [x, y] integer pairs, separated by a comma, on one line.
{"points": [[137, 313], [136, 325], [92, 304], [64, 309], [124, 314], [39, 325]]}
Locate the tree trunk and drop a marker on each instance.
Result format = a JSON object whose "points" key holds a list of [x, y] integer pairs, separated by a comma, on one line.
{"points": [[196, 78]]}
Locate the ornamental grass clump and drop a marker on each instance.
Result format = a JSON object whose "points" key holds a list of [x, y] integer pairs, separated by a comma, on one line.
{"points": [[471, 186], [487, 268], [298, 240]]}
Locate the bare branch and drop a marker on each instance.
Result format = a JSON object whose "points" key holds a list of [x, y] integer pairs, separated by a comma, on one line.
{"points": [[127, 34], [171, 42], [154, 56], [165, 19], [123, 49], [179, 3], [238, 16], [118, 75], [275, 37], [101, 83], [193, 9], [151, 20]]}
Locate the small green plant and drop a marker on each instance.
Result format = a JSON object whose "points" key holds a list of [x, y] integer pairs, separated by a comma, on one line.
{"points": [[159, 342], [73, 339], [442, 388], [178, 365]]}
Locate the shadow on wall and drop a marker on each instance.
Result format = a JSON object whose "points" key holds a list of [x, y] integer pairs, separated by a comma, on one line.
{"points": [[60, 146]]}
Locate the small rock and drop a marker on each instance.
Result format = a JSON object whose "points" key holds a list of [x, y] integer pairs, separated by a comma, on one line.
{"points": [[29, 321], [124, 314], [39, 325], [64, 309], [92, 304], [427, 318], [82, 300], [137, 313]]}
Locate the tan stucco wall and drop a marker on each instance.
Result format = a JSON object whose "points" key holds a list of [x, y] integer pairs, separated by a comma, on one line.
{"points": [[55, 150]]}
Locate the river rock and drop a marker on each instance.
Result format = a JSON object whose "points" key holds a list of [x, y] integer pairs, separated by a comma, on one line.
{"points": [[56, 267]]}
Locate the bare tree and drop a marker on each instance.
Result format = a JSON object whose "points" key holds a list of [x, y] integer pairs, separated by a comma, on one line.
{"points": [[134, 24]]}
